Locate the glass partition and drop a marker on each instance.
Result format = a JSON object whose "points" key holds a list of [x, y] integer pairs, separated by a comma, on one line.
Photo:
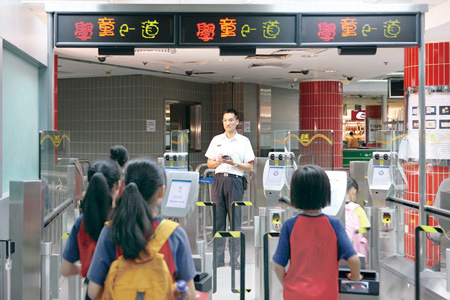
{"points": [[54, 147], [309, 146], [179, 141]]}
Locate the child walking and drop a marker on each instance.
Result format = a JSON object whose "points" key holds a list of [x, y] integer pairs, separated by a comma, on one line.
{"points": [[103, 178], [312, 242], [135, 220]]}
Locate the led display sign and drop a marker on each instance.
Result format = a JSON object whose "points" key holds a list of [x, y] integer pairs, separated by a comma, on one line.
{"points": [[232, 29], [114, 30], [387, 30]]}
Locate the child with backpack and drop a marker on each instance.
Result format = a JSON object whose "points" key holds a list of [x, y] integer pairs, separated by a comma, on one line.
{"points": [[140, 255], [355, 218], [312, 242], [103, 178]]}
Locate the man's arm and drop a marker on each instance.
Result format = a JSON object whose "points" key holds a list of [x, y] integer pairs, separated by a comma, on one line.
{"points": [[248, 166], [212, 164]]}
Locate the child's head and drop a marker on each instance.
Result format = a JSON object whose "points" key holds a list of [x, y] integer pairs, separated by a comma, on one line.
{"points": [[132, 218], [310, 188], [119, 154], [103, 177], [352, 189]]}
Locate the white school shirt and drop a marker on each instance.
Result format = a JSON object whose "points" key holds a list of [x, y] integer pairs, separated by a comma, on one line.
{"points": [[238, 148]]}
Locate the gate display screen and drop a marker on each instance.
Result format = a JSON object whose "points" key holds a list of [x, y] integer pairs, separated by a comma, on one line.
{"points": [[235, 29], [114, 30]]}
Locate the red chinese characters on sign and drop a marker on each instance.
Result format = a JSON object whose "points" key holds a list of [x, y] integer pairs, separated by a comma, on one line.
{"points": [[83, 31], [327, 31], [358, 115], [349, 27], [106, 26], [228, 27], [205, 32]]}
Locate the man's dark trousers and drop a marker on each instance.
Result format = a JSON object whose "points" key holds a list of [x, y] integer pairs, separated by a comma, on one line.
{"points": [[224, 191]]}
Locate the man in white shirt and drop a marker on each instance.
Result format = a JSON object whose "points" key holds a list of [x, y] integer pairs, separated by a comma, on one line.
{"points": [[230, 154]]}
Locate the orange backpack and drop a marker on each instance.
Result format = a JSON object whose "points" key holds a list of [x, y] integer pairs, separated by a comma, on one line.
{"points": [[144, 278]]}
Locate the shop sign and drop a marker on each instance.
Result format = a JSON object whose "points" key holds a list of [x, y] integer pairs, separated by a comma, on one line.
{"points": [[358, 115]]}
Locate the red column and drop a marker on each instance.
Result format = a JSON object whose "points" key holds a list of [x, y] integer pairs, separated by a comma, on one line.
{"points": [[437, 72], [320, 109]]}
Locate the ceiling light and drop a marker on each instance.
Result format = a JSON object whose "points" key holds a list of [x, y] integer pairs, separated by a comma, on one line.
{"points": [[395, 73], [310, 56], [269, 56], [372, 80], [329, 71], [236, 77]]}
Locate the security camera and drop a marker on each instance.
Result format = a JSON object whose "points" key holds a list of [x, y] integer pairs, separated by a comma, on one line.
{"points": [[305, 72], [292, 85], [188, 73], [349, 78], [101, 58]]}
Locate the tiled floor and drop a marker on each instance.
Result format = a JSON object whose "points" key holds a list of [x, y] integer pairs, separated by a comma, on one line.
{"points": [[224, 287]]}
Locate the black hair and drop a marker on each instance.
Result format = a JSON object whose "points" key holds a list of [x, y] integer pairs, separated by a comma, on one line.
{"points": [[310, 188], [351, 132], [231, 111], [132, 223], [352, 183], [119, 153], [97, 203]]}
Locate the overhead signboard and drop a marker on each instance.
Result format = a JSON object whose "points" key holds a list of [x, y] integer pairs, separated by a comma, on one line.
{"points": [[238, 29], [95, 30], [381, 30]]}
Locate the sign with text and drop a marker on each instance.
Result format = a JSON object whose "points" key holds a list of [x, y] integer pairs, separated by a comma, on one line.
{"points": [[236, 29], [358, 115], [114, 30], [360, 30]]}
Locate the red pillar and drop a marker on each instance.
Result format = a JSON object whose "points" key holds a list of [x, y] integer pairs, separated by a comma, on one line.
{"points": [[437, 72], [320, 109]]}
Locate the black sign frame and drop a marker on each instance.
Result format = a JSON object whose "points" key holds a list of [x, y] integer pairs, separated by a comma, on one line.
{"points": [[177, 31], [416, 15], [84, 44], [181, 43]]}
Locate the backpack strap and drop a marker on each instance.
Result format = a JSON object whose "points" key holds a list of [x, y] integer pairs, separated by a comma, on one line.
{"points": [[161, 235], [352, 205]]}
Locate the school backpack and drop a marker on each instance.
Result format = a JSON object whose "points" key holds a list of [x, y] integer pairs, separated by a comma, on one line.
{"points": [[144, 278], [352, 224], [86, 248]]}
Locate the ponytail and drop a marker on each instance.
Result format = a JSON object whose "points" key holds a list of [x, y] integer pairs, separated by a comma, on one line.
{"points": [[131, 223], [96, 205]]}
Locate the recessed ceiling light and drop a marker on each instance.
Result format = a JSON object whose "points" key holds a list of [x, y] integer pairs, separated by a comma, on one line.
{"points": [[329, 71], [395, 74], [310, 56]]}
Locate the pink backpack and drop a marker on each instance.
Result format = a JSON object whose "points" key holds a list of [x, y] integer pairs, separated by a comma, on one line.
{"points": [[359, 242]]}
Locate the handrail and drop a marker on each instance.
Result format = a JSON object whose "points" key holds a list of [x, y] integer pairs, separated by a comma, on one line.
{"points": [[48, 219], [197, 169], [437, 211], [403, 202], [208, 171]]}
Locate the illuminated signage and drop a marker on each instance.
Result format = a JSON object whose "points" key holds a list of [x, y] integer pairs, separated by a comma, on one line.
{"points": [[358, 115], [359, 30], [232, 29], [236, 29], [114, 30]]}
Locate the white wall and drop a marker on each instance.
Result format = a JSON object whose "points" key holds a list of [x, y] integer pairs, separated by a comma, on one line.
{"points": [[21, 28]]}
